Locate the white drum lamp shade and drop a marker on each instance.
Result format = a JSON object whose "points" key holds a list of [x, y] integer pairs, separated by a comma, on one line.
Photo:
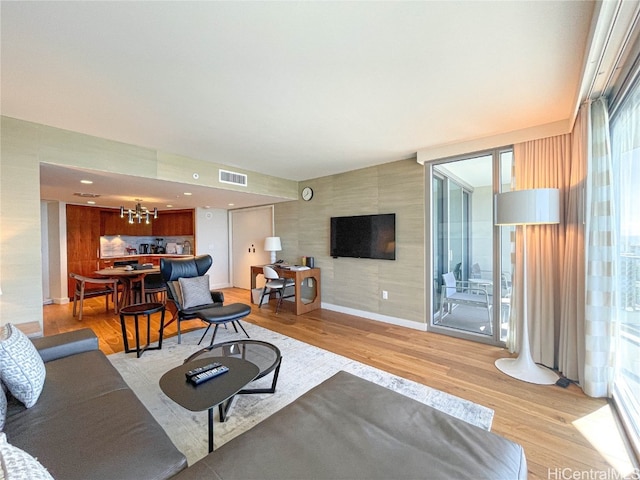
{"points": [[527, 207], [273, 245]]}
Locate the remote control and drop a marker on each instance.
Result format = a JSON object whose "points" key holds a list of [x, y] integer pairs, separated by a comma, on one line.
{"points": [[208, 375], [204, 368]]}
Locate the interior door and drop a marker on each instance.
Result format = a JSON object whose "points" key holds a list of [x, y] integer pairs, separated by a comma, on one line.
{"points": [[249, 228]]}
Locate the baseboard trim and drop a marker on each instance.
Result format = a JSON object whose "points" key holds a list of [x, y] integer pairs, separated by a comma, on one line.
{"points": [[402, 322]]}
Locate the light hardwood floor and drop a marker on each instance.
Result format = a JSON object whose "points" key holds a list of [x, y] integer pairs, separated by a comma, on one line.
{"points": [[537, 417]]}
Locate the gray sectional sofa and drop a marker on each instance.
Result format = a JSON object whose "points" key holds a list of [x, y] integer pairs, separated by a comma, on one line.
{"points": [[88, 424]]}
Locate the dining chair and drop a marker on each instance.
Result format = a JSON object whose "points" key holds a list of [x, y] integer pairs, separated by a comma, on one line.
{"points": [[275, 284], [89, 287], [155, 289]]}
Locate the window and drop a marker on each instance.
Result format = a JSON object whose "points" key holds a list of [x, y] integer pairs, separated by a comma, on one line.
{"points": [[625, 153]]}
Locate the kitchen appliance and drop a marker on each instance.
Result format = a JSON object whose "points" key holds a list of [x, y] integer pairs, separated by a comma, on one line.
{"points": [[171, 247], [144, 248], [186, 247], [159, 247]]}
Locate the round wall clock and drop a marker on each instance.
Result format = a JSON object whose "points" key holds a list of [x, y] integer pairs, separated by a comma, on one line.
{"points": [[307, 194]]}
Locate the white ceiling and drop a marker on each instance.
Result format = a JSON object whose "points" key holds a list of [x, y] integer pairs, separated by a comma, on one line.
{"points": [[297, 90]]}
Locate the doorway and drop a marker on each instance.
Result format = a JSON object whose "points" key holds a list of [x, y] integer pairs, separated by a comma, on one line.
{"points": [[468, 252], [249, 228]]}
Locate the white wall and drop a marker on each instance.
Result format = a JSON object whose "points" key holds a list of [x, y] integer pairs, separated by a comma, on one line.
{"points": [[212, 237]]}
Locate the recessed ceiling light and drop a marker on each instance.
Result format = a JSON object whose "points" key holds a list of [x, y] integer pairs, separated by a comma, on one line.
{"points": [[187, 194], [231, 204], [86, 182], [91, 202], [169, 206]]}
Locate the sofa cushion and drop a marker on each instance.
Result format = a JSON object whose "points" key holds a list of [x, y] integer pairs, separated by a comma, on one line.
{"points": [[89, 424], [21, 367], [16, 464], [348, 428], [195, 291]]}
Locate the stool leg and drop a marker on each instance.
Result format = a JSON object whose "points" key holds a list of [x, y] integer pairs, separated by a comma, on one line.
{"points": [[137, 337], [124, 334], [205, 332], [215, 330], [240, 324], [161, 329], [148, 329]]}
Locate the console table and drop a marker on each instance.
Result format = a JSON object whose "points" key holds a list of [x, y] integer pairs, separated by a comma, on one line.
{"points": [[302, 305]]}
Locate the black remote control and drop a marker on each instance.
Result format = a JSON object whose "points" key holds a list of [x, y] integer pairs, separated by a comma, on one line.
{"points": [[204, 368], [208, 375]]}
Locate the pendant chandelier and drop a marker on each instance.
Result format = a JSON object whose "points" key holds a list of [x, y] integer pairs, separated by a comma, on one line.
{"points": [[138, 214]]}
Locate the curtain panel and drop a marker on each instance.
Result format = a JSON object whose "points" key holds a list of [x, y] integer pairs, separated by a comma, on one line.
{"points": [[555, 252], [597, 376], [571, 278]]}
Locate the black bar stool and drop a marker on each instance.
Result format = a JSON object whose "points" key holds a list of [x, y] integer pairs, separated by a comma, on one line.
{"points": [[135, 311]]}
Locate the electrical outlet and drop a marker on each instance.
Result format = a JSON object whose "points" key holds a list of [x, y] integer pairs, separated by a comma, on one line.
{"points": [[385, 295]]}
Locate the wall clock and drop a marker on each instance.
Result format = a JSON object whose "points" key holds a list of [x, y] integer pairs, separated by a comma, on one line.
{"points": [[307, 194]]}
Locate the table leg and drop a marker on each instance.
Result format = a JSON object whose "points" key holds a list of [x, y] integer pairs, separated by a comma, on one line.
{"points": [[137, 336], [211, 430]]}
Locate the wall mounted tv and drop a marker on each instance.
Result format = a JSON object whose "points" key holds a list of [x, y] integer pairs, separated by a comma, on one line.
{"points": [[364, 236]]}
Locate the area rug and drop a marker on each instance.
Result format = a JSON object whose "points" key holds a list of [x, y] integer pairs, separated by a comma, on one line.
{"points": [[303, 367]]}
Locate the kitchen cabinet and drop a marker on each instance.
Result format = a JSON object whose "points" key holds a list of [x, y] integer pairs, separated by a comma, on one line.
{"points": [[83, 241], [174, 223], [111, 224], [168, 224]]}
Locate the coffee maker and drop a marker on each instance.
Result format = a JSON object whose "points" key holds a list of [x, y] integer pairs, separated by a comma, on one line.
{"points": [[144, 249]]}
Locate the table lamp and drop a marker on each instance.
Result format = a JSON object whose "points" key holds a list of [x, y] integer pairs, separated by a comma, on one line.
{"points": [[527, 207], [273, 245]]}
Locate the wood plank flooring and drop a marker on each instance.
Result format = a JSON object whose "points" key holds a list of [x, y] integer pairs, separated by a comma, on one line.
{"points": [[538, 417]]}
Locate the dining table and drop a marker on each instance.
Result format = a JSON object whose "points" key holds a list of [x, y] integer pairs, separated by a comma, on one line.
{"points": [[128, 277]]}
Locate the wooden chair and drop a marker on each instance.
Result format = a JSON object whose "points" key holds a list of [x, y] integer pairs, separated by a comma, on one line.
{"points": [[88, 287]]}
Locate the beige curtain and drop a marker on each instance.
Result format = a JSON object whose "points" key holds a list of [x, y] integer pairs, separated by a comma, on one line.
{"points": [[544, 163], [572, 287]]}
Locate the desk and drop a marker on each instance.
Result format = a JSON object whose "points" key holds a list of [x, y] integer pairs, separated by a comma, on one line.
{"points": [[128, 278], [299, 276]]}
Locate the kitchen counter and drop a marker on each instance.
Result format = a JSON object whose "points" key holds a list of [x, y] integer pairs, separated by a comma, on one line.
{"points": [[138, 255]]}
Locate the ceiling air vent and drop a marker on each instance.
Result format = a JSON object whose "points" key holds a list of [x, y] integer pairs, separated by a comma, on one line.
{"points": [[233, 178], [87, 195]]}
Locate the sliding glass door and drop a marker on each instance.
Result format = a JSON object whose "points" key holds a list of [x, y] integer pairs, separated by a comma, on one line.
{"points": [[464, 250]]}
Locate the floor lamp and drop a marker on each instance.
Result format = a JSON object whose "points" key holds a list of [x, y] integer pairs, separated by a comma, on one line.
{"points": [[527, 207]]}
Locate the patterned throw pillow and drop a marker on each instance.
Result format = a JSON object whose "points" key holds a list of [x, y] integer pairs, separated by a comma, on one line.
{"points": [[16, 464], [21, 367], [3, 407], [195, 291]]}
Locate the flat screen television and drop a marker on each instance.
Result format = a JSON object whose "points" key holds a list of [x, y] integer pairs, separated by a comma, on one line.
{"points": [[364, 236]]}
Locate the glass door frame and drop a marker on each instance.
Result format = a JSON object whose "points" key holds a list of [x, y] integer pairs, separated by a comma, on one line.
{"points": [[431, 287]]}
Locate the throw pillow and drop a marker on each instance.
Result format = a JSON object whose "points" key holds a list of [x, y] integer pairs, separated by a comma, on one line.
{"points": [[195, 291], [3, 407], [16, 464], [21, 367]]}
